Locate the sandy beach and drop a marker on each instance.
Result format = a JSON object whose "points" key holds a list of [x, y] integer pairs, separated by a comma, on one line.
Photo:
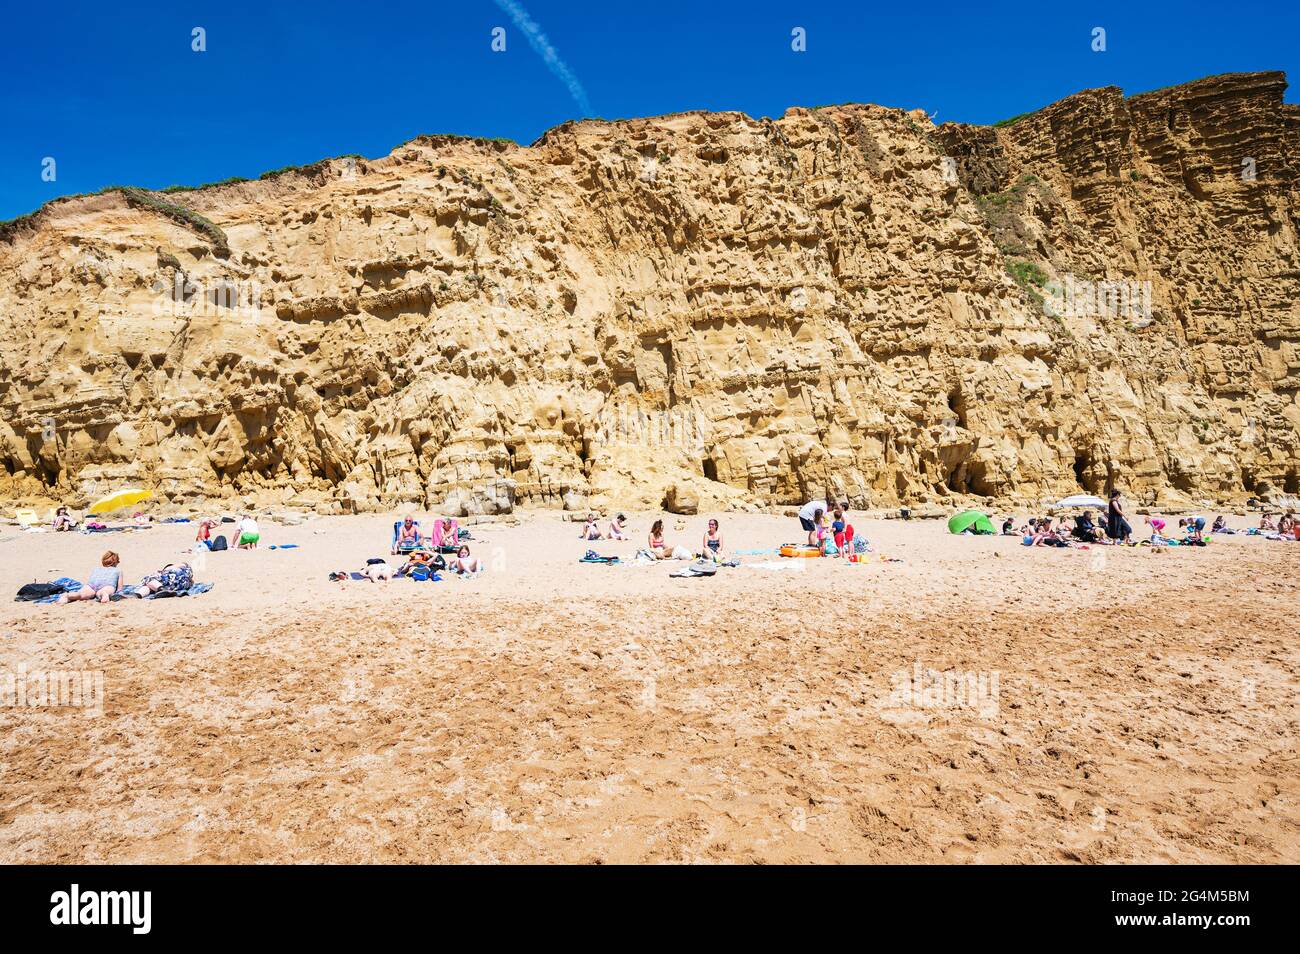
{"points": [[1106, 705]]}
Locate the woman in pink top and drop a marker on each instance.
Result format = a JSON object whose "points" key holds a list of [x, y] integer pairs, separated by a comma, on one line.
{"points": [[446, 534]]}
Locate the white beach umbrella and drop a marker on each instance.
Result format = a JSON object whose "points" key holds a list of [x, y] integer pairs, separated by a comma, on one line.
{"points": [[1080, 500]]}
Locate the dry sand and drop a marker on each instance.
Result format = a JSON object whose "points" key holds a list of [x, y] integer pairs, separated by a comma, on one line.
{"points": [[1145, 706]]}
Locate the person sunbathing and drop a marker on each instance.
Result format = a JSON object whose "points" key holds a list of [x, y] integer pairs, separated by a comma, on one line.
{"points": [[377, 572], [591, 531], [414, 560], [446, 535], [655, 542], [1286, 524], [408, 536], [103, 584], [1220, 525], [1046, 536], [62, 521], [463, 563], [616, 528], [712, 549], [174, 577], [1266, 522]]}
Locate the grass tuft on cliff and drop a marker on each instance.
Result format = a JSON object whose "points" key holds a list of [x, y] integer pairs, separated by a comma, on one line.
{"points": [[138, 198]]}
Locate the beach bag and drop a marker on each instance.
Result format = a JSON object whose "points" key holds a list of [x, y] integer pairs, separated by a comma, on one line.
{"points": [[217, 543], [38, 591], [421, 573]]}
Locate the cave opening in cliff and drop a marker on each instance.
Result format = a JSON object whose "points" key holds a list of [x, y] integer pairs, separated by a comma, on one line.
{"points": [[1291, 484], [1084, 473], [710, 468]]}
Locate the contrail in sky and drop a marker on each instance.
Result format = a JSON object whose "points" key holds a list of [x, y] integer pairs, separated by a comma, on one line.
{"points": [[543, 48]]}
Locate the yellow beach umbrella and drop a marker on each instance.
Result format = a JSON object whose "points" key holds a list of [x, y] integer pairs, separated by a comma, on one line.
{"points": [[123, 498]]}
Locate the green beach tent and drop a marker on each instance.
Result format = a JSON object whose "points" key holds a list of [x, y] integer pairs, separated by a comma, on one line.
{"points": [[970, 520]]}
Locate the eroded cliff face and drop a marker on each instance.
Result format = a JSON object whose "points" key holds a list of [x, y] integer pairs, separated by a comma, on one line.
{"points": [[750, 310]]}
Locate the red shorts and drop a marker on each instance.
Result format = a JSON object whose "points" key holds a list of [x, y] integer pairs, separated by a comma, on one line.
{"points": [[844, 537]]}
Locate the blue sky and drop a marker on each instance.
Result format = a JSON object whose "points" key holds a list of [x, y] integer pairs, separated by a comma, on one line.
{"points": [[115, 94]]}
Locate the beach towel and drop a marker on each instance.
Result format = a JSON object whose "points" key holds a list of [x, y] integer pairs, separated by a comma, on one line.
{"points": [[69, 586], [756, 552], [198, 589], [283, 546], [698, 568], [591, 556]]}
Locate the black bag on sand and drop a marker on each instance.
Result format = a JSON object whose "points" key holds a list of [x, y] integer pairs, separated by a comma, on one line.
{"points": [[38, 591], [218, 542]]}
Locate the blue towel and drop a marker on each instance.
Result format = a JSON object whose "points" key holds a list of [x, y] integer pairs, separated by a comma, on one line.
{"points": [[69, 586], [284, 546], [129, 591]]}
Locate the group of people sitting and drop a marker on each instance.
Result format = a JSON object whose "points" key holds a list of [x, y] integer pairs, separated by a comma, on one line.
{"points": [[617, 528], [246, 535], [442, 549], [107, 581], [1286, 525], [1043, 532]]}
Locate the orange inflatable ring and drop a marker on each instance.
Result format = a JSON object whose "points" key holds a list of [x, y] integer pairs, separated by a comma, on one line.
{"points": [[800, 550]]}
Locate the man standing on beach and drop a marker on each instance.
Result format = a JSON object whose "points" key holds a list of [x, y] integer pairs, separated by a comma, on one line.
{"points": [[809, 510]]}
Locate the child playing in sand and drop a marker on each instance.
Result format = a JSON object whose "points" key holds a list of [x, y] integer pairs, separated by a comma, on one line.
{"points": [[103, 583], [817, 532]]}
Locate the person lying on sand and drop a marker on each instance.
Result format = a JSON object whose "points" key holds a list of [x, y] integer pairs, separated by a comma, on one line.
{"points": [[408, 536], [416, 559], [377, 572], [616, 528], [590, 530], [176, 577], [712, 549], [62, 522], [103, 583], [463, 563], [655, 542]]}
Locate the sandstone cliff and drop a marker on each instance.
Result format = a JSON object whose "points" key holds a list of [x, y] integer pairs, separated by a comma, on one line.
{"points": [[749, 310]]}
